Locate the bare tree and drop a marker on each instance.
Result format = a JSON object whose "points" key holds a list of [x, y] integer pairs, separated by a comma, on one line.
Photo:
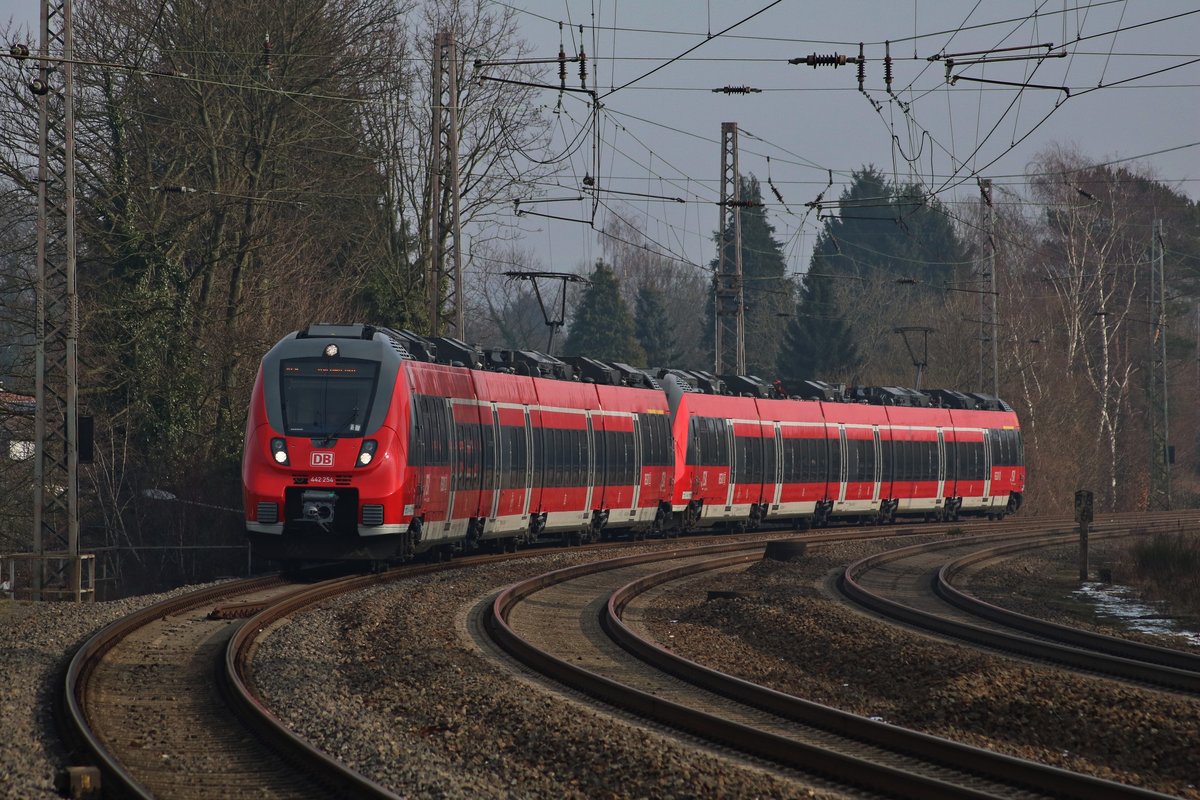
{"points": [[504, 310], [499, 125], [639, 263], [1093, 261]]}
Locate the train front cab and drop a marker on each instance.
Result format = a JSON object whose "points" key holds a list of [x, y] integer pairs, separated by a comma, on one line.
{"points": [[322, 465]]}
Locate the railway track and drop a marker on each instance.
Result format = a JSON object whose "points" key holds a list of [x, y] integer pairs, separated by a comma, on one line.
{"points": [[140, 700], [158, 702], [914, 585], [568, 625]]}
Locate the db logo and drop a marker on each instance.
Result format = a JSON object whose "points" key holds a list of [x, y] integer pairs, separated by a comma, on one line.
{"points": [[322, 459]]}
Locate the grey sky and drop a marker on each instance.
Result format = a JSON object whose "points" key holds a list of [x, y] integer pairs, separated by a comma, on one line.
{"points": [[660, 135]]}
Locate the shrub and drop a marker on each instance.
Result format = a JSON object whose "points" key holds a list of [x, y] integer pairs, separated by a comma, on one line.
{"points": [[1167, 568]]}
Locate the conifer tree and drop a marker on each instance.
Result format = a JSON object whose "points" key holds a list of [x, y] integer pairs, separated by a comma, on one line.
{"points": [[768, 295], [602, 326], [653, 329], [818, 343]]}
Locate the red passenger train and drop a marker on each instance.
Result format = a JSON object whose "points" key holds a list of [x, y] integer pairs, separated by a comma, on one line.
{"points": [[365, 443]]}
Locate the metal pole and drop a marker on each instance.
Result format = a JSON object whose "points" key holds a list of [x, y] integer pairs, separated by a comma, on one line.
{"points": [[56, 465], [451, 60], [434, 271], [989, 370], [728, 286], [1160, 462]]}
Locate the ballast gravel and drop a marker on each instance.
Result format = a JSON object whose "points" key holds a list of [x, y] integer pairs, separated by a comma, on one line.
{"points": [[782, 630], [37, 641], [390, 681]]}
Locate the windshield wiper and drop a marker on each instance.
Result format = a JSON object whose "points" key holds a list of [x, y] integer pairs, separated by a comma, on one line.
{"points": [[337, 434]]}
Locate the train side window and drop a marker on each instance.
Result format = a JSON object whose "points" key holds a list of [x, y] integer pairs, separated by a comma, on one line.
{"points": [[504, 466], [520, 462], [610, 458], [631, 476], [561, 466], [885, 449], [720, 443], [416, 441], [581, 457], [550, 477], [768, 460], [834, 448]]}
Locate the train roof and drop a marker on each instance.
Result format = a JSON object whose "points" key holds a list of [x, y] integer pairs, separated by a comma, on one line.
{"points": [[455, 352]]}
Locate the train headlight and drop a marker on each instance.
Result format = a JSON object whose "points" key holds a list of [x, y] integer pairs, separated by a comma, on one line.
{"points": [[366, 453], [279, 451], [331, 350]]}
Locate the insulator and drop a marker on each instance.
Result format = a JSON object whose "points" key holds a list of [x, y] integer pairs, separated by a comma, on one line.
{"points": [[737, 90], [887, 65], [562, 66], [582, 62], [39, 86], [814, 60], [862, 67], [588, 180], [266, 52], [19, 51]]}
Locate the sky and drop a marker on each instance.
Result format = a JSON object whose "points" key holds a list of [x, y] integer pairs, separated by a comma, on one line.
{"points": [[1120, 80], [660, 132]]}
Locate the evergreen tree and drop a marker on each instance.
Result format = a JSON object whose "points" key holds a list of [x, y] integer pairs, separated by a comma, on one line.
{"points": [[884, 236], [653, 331], [767, 293], [602, 326], [818, 342], [886, 231]]}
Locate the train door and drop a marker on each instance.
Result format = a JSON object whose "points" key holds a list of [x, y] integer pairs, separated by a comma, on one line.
{"points": [[878, 450], [777, 475], [987, 469], [638, 458], [590, 467], [731, 444], [455, 442], [531, 458], [492, 480], [843, 464], [941, 476], [432, 429]]}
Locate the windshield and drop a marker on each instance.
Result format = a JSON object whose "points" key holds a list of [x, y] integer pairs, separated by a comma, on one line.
{"points": [[327, 397]]}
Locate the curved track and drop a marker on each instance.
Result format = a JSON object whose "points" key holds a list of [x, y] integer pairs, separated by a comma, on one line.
{"points": [[140, 699], [567, 624], [913, 585], [145, 700]]}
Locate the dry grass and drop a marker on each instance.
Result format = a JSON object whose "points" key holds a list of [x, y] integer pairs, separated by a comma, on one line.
{"points": [[1165, 567]]}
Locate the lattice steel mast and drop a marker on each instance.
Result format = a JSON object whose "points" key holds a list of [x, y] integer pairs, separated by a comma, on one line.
{"points": [[444, 282], [1160, 462], [989, 368], [729, 340], [56, 456]]}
